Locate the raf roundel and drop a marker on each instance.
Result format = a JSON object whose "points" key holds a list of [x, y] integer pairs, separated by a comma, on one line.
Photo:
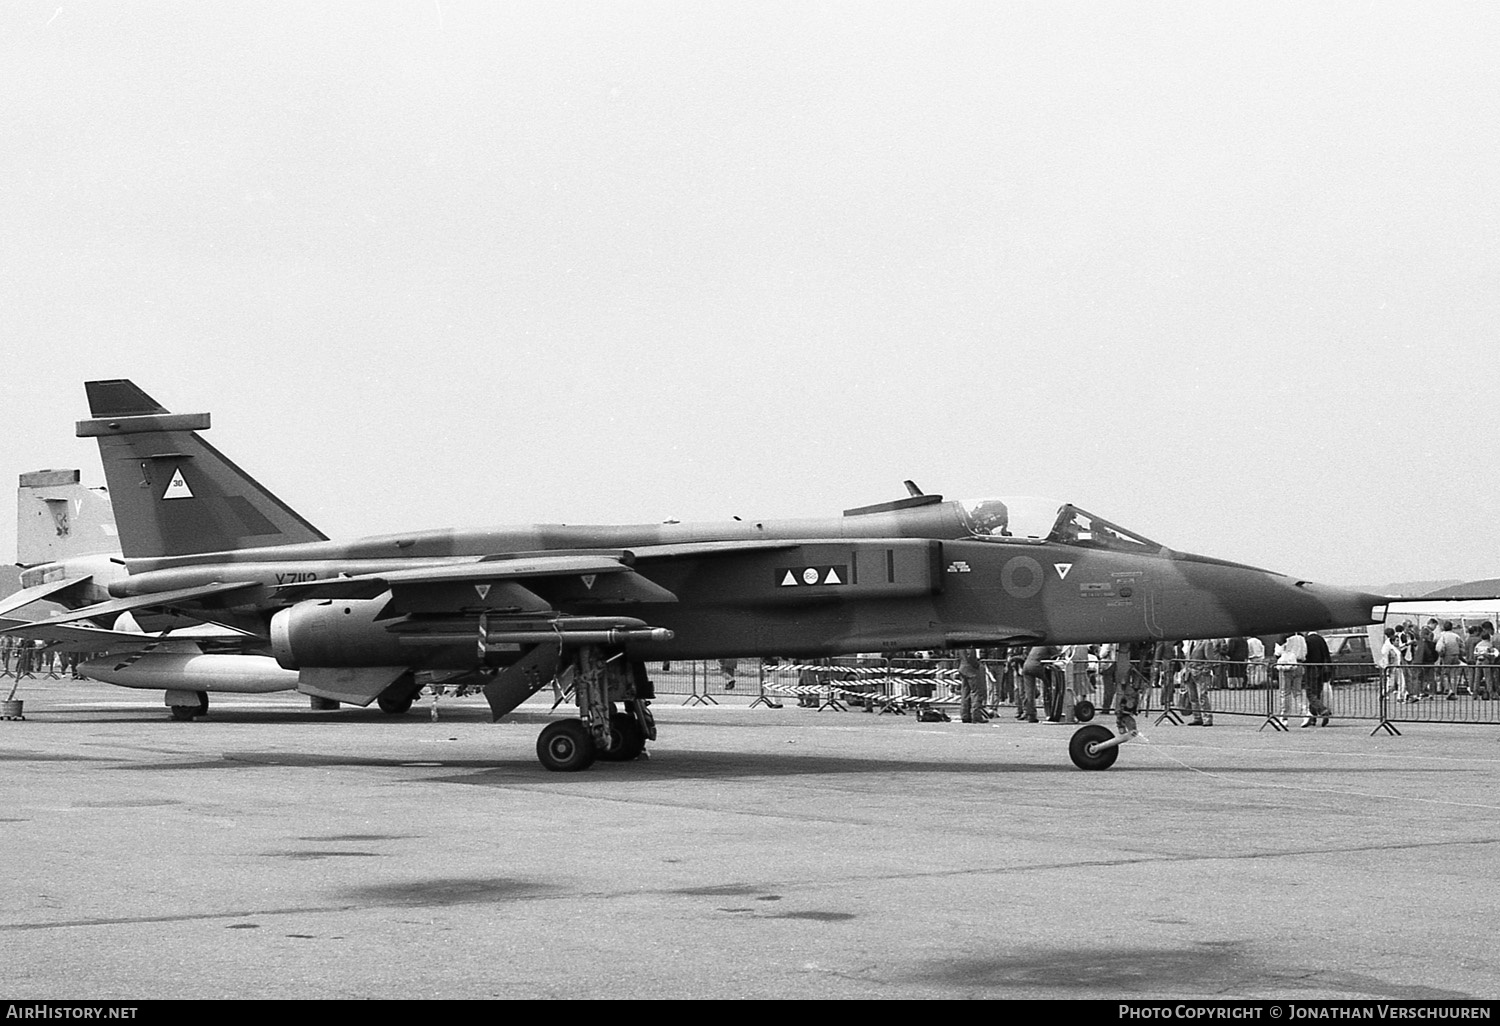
{"points": [[1022, 577]]}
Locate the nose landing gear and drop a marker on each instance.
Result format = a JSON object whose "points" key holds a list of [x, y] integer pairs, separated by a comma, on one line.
{"points": [[1095, 747]]}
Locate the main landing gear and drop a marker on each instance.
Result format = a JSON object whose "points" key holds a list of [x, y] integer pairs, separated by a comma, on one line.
{"points": [[189, 704], [1095, 747], [614, 712], [614, 696]]}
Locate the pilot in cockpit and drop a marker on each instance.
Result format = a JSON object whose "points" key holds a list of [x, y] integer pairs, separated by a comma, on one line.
{"points": [[991, 519]]}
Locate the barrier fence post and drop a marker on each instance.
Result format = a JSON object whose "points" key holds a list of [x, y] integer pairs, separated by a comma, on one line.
{"points": [[1169, 688], [695, 698], [831, 697], [1385, 723], [1273, 693], [763, 698], [895, 702]]}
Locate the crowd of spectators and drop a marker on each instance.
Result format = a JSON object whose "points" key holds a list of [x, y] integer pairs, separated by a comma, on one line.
{"points": [[1440, 660]]}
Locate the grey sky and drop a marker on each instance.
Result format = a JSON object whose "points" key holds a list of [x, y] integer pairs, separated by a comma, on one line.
{"points": [[1225, 273]]}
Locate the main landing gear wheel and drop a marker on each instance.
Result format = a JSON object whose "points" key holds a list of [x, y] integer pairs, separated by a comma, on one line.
{"points": [[187, 712], [626, 739], [566, 747], [395, 706], [1084, 749]]}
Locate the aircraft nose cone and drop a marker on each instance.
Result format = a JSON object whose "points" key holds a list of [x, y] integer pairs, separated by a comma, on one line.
{"points": [[1228, 600], [1345, 607], [1292, 605]]}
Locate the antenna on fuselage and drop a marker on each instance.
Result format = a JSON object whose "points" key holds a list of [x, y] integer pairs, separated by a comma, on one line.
{"points": [[912, 489]]}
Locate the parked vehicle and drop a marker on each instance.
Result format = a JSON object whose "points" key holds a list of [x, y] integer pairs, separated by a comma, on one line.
{"points": [[1353, 659]]}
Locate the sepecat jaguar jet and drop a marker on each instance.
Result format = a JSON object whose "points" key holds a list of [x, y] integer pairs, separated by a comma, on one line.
{"points": [[519, 607]]}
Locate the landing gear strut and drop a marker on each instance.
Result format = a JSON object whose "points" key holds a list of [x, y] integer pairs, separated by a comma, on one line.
{"points": [[614, 715]]}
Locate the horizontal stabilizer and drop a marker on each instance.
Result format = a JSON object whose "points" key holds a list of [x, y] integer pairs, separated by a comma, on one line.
{"points": [[162, 599], [71, 637], [55, 591]]}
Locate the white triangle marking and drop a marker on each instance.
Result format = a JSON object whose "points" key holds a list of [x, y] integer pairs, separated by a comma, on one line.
{"points": [[1062, 570], [788, 579], [588, 581], [832, 577], [177, 488], [483, 589]]}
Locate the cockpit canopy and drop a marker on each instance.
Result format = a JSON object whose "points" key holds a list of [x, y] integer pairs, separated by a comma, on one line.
{"points": [[1029, 518]]}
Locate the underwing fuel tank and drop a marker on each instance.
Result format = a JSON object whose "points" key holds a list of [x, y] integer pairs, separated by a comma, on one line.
{"points": [[176, 671]]}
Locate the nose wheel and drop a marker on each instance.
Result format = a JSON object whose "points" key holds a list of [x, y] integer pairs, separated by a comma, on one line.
{"points": [[1095, 747]]}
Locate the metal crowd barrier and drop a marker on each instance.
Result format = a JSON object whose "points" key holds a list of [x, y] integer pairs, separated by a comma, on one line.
{"points": [[1438, 693], [1358, 691], [1387, 697], [886, 685], [1458, 693]]}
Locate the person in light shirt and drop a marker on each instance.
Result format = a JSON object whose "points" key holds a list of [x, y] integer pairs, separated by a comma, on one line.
{"points": [[1293, 654], [1390, 661], [1256, 665]]}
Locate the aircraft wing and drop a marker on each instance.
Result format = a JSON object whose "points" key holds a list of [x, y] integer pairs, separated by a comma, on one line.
{"points": [[57, 591], [178, 599], [599, 576], [686, 550]]}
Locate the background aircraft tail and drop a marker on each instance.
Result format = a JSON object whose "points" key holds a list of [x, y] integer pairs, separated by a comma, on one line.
{"points": [[58, 518], [173, 493]]}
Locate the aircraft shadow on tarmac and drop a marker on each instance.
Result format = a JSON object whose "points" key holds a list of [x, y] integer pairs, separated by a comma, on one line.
{"points": [[511, 764], [511, 761]]}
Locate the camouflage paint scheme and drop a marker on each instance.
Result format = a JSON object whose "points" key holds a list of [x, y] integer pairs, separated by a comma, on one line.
{"points": [[586, 606], [198, 533]]}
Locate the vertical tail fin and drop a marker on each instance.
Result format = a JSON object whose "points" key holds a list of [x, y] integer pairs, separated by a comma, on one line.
{"points": [[173, 493], [57, 518]]}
